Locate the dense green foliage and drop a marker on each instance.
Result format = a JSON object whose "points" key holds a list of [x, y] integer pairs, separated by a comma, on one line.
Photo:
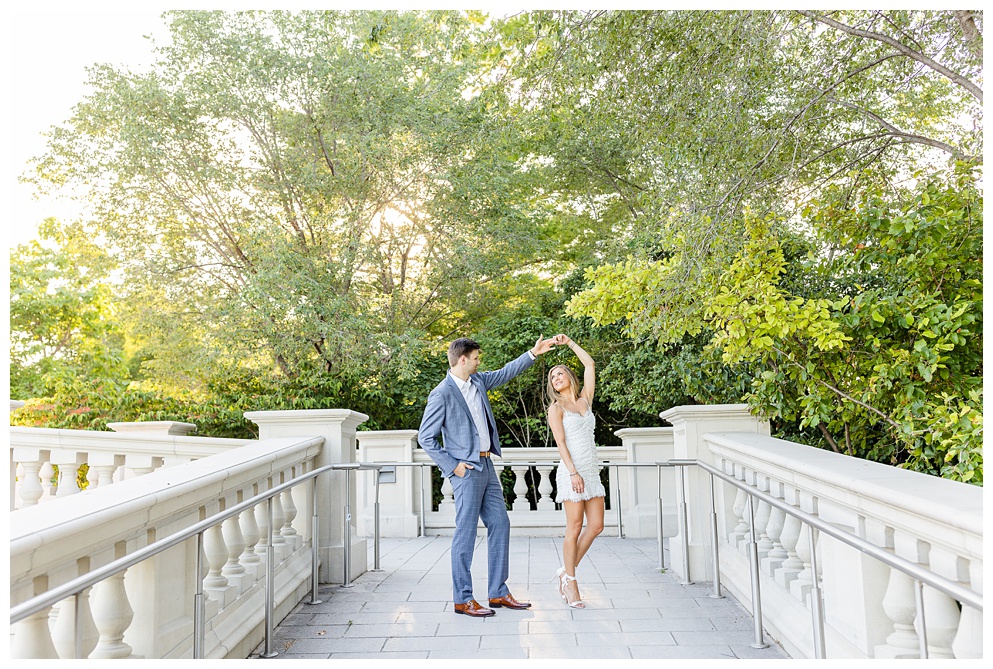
{"points": [[300, 210]]}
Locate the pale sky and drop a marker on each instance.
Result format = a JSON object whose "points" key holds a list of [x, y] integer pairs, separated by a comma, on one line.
{"points": [[47, 52]]}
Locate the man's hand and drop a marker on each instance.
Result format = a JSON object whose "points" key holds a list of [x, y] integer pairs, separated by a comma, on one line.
{"points": [[460, 469], [542, 346]]}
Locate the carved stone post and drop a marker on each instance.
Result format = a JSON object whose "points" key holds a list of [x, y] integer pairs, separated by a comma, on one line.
{"points": [[690, 425], [337, 427]]}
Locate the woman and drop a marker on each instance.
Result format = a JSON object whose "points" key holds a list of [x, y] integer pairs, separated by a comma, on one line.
{"points": [[570, 416]]}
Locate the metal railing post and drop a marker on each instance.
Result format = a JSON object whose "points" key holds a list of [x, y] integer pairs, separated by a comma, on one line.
{"points": [[658, 517], [753, 562], [315, 527], [77, 630], [816, 605], [346, 555], [716, 594], [198, 603], [684, 529], [617, 489], [375, 533], [421, 486], [922, 626], [270, 584]]}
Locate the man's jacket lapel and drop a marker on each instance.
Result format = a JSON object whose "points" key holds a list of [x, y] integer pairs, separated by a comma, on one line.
{"points": [[453, 389]]}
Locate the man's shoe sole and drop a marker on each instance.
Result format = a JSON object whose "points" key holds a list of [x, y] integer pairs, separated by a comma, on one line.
{"points": [[475, 615]]}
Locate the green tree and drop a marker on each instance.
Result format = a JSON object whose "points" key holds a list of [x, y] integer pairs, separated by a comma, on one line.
{"points": [[307, 196], [63, 330], [875, 338]]}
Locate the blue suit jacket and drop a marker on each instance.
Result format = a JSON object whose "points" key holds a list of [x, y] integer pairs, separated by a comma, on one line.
{"points": [[447, 415]]}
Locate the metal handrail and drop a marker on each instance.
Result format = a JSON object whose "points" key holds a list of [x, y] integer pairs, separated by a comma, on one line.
{"points": [[77, 585]]}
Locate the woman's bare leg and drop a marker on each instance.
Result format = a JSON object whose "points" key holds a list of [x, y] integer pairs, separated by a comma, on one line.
{"points": [[593, 509], [573, 530]]}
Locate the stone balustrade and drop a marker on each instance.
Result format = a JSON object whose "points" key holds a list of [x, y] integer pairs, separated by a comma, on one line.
{"points": [[634, 490], [869, 608], [134, 449], [147, 611]]}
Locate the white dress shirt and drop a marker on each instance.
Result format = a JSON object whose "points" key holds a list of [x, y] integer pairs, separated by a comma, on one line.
{"points": [[475, 403]]}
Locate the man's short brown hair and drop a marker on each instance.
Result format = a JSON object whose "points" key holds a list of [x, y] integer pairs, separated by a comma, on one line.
{"points": [[458, 348]]}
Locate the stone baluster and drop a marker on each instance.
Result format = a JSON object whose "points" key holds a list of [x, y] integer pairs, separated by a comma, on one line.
{"points": [[739, 533], [792, 564], [763, 513], [447, 504], [287, 531], [262, 522], [899, 604], [68, 485], [279, 548], [47, 477], [31, 489], [544, 494], [251, 534], [234, 541], [216, 552], [800, 587], [968, 642], [777, 519], [112, 615], [941, 616], [64, 629], [520, 488], [102, 467], [31, 638], [141, 463]]}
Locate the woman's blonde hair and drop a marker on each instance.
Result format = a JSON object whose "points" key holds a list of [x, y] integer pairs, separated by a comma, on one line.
{"points": [[554, 395]]}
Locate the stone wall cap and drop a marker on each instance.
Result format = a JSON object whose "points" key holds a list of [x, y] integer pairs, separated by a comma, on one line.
{"points": [[157, 426], [708, 410], [642, 431], [304, 415]]}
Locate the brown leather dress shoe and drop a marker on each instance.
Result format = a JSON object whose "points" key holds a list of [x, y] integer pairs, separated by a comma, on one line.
{"points": [[509, 601], [474, 609]]}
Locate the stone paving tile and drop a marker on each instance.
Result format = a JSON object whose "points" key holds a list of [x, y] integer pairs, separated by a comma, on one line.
{"points": [[309, 632], [391, 630], [584, 653], [561, 640], [370, 618], [682, 652], [335, 645], [403, 607], [470, 643], [626, 639], [482, 655], [662, 624], [731, 637], [379, 656], [634, 611], [640, 614], [749, 653], [575, 626]]}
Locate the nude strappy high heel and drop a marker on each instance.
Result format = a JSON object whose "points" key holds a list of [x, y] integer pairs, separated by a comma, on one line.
{"points": [[575, 603]]}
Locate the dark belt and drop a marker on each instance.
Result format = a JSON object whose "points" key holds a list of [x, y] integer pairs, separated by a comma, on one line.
{"points": [[484, 454]]}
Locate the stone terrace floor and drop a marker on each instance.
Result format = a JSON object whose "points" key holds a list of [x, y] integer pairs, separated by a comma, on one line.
{"points": [[633, 611]]}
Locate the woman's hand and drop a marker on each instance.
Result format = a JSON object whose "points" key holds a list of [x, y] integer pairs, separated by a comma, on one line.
{"points": [[578, 485], [562, 340]]}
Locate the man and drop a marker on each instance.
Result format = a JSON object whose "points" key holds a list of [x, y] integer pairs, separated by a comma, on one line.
{"points": [[459, 411]]}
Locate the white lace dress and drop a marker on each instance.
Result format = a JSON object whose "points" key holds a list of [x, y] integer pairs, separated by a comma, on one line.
{"points": [[579, 440]]}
